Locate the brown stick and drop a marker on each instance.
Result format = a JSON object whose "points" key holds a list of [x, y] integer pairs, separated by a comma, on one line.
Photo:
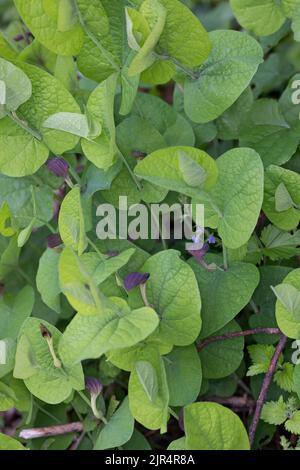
{"points": [[234, 402], [265, 387], [34, 433], [237, 334]]}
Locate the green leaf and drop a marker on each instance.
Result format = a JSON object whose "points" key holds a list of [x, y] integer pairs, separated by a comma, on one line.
{"points": [[283, 200], [173, 292], [236, 199], [14, 311], [9, 258], [8, 443], [100, 106], [173, 126], [151, 414], [284, 377], [104, 26], [34, 364], [25, 234], [16, 87], [77, 283], [5, 216], [274, 176], [7, 397], [71, 222], [114, 328], [221, 358], [224, 293], [210, 426], [263, 18], [145, 57], [47, 281], [24, 152], [279, 244], [184, 375], [293, 424], [7, 356], [261, 355], [27, 199], [118, 430], [184, 37], [53, 23], [76, 124], [8, 52], [296, 378], [287, 305], [275, 412], [225, 69], [148, 379], [265, 129], [164, 168], [288, 296], [193, 174]]}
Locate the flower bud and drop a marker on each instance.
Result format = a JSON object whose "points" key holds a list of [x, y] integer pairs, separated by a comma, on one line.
{"points": [[58, 166], [54, 240], [135, 279], [93, 386]]}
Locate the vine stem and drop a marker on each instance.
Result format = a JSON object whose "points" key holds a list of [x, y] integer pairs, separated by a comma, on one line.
{"points": [[237, 334], [225, 257], [12, 115], [34, 433], [265, 387]]}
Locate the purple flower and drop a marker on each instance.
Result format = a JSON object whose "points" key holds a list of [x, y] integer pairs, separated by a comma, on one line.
{"points": [[112, 254], [93, 386], [58, 166], [54, 240], [45, 332], [199, 254], [135, 279], [211, 240], [18, 37], [138, 154]]}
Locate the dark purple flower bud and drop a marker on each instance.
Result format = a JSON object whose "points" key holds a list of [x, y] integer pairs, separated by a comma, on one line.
{"points": [[54, 240], [211, 240], [93, 386], [58, 166], [199, 254], [181, 420], [112, 254], [138, 154], [135, 279], [19, 37], [45, 332]]}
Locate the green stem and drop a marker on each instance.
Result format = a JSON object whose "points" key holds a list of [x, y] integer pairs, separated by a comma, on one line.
{"points": [[181, 67], [172, 413], [24, 125], [134, 178], [57, 363], [74, 174], [254, 306], [225, 257], [92, 244], [144, 294], [91, 405]]}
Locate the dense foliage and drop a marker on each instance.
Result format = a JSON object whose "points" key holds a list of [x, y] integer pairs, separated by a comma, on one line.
{"points": [[140, 344]]}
